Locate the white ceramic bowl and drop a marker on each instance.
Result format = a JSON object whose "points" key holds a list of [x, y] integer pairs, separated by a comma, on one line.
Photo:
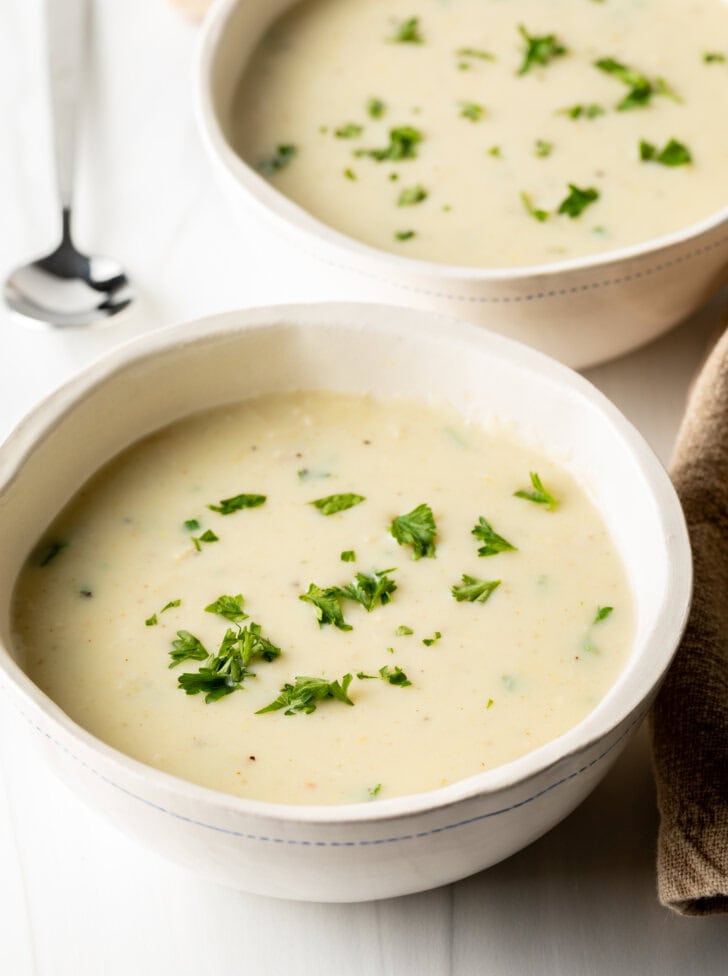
{"points": [[394, 846], [581, 311]]}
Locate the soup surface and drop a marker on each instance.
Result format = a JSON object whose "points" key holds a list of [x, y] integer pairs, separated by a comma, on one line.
{"points": [[492, 133], [465, 648]]}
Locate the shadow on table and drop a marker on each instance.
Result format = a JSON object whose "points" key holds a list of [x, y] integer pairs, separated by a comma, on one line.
{"points": [[582, 899]]}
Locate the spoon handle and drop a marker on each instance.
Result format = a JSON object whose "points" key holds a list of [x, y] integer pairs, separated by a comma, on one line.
{"points": [[67, 24]]}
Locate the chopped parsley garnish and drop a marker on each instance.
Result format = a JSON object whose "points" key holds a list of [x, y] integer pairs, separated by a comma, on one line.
{"points": [[535, 212], [349, 131], [403, 235], [404, 631], [590, 111], [429, 641], [50, 552], [602, 614], [542, 148], [474, 52], [474, 590], [282, 157], [349, 173], [337, 503], [227, 506], [374, 791], [326, 605], [492, 542], [187, 647], [170, 605], [403, 142], [641, 89], [348, 556], [577, 200], [417, 529], [230, 607], [306, 474], [495, 151], [489, 703], [539, 50], [408, 32], [412, 195], [540, 495], [192, 525], [673, 153], [714, 57], [369, 589], [394, 676], [472, 111], [303, 696], [226, 671], [151, 621], [207, 536], [376, 108]]}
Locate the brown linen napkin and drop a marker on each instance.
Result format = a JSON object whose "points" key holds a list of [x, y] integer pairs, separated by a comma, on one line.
{"points": [[689, 721]]}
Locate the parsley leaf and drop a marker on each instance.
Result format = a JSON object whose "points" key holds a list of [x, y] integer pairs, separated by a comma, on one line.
{"points": [[542, 149], [170, 605], [227, 506], [474, 52], [429, 641], [408, 32], [368, 588], [226, 671], [714, 57], [472, 111], [494, 543], [207, 536], [151, 621], [348, 556], [577, 200], [403, 142], [540, 215], [374, 791], [337, 503], [474, 590], [590, 111], [326, 605], [376, 108], [412, 195], [349, 131], [417, 529], [540, 494], [673, 153], [602, 614], [187, 647], [302, 697], [50, 552], [539, 50], [404, 631], [394, 676], [230, 607], [282, 157], [192, 525], [641, 89], [404, 235]]}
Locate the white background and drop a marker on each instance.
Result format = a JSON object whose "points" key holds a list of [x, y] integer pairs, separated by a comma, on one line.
{"points": [[78, 898]]}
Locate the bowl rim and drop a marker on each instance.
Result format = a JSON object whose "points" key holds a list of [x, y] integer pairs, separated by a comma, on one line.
{"points": [[658, 648], [278, 205]]}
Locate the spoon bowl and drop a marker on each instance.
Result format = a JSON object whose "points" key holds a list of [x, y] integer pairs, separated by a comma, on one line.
{"points": [[67, 288]]}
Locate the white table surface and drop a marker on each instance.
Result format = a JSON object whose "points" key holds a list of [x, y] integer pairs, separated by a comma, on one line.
{"points": [[77, 897]]}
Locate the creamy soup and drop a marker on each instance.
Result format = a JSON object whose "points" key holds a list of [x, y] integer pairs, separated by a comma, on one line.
{"points": [[486, 132], [454, 597]]}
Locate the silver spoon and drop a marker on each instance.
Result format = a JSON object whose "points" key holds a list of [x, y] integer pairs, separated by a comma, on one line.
{"points": [[67, 288]]}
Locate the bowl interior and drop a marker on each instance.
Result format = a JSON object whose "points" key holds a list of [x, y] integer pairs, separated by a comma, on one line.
{"points": [[382, 351]]}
